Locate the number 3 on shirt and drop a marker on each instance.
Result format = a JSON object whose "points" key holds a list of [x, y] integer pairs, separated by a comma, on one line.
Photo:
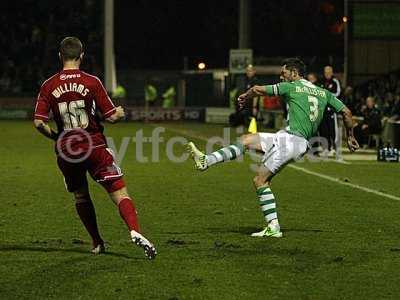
{"points": [[74, 114], [313, 108]]}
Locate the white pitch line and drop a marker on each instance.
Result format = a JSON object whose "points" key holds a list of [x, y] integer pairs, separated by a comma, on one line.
{"points": [[333, 179], [336, 180]]}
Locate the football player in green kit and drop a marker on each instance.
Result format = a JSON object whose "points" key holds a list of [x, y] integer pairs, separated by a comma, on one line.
{"points": [[306, 104]]}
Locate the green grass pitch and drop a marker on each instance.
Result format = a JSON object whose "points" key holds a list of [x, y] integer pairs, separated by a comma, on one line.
{"points": [[339, 242]]}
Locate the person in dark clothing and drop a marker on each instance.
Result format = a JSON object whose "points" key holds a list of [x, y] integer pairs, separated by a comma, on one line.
{"points": [[328, 128], [349, 99], [371, 124], [313, 78], [395, 112], [388, 104], [242, 116], [252, 80]]}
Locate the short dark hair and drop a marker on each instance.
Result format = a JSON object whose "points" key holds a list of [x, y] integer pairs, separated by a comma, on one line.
{"points": [[71, 48], [294, 63]]}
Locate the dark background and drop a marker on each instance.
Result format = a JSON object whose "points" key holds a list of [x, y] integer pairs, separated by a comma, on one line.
{"points": [[158, 34]]}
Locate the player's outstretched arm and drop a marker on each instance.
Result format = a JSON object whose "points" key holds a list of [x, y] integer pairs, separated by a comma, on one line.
{"points": [[45, 129], [352, 143], [255, 91], [118, 115]]}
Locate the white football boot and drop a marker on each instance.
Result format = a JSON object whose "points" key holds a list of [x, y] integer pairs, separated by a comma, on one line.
{"points": [[200, 159], [99, 249], [149, 249], [269, 231]]}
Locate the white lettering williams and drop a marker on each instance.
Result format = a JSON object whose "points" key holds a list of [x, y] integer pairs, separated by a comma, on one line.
{"points": [[70, 87]]}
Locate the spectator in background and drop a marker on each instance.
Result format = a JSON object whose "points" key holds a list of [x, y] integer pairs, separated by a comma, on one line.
{"points": [[35, 31], [313, 78], [252, 80], [387, 105], [236, 118], [329, 126], [242, 116], [371, 123], [348, 98], [358, 101], [395, 113]]}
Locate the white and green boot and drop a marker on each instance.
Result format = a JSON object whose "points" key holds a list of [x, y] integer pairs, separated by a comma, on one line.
{"points": [[200, 159], [269, 231]]}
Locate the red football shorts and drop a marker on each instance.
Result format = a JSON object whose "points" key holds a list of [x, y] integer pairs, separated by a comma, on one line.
{"points": [[101, 166]]}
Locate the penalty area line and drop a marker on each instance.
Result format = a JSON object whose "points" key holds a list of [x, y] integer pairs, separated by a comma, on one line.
{"points": [[304, 170]]}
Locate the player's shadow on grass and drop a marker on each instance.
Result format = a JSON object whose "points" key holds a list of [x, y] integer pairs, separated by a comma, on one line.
{"points": [[302, 230], [12, 248], [247, 230]]}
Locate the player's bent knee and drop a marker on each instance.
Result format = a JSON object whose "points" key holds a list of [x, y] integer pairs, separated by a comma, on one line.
{"points": [[119, 195], [260, 180], [112, 186], [82, 194], [247, 140], [81, 197]]}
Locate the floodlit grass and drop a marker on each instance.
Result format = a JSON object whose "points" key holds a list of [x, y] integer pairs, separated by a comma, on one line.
{"points": [[339, 242]]}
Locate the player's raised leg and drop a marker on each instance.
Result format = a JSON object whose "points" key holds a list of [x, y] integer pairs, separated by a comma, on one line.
{"points": [[85, 209], [129, 215], [267, 204], [231, 152]]}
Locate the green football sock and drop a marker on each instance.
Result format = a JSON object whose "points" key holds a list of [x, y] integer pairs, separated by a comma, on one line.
{"points": [[225, 154], [267, 203]]}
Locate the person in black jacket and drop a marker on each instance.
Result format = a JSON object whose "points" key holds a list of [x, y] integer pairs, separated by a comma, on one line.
{"points": [[252, 80], [242, 116], [395, 112], [371, 124], [329, 127]]}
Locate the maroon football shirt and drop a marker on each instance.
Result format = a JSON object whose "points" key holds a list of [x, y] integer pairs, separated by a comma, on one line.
{"points": [[75, 98]]}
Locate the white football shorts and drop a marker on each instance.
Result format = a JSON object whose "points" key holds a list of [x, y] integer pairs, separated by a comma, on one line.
{"points": [[280, 148]]}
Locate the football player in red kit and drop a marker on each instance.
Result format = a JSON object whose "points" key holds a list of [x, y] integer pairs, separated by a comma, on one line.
{"points": [[78, 102]]}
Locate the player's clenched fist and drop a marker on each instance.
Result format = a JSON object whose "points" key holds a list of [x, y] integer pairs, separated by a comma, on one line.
{"points": [[119, 111], [119, 114]]}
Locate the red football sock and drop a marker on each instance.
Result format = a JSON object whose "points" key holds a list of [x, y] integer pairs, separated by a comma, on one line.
{"points": [[87, 214], [128, 214]]}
